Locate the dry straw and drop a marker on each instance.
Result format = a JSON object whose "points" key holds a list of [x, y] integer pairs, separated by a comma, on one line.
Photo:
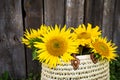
{"points": [[87, 70]]}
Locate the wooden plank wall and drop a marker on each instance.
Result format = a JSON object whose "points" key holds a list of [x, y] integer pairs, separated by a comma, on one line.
{"points": [[18, 15], [12, 56]]}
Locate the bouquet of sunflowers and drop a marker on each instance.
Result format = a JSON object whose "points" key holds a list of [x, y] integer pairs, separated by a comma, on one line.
{"points": [[51, 45]]}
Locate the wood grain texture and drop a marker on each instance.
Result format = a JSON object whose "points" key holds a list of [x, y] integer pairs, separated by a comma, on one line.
{"points": [[74, 12], [33, 11], [88, 16], [12, 57], [108, 18], [54, 12], [94, 12], [18, 15], [116, 26]]}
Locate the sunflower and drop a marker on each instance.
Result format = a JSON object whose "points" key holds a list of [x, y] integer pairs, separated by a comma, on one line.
{"points": [[86, 34], [32, 35], [104, 48], [56, 46]]}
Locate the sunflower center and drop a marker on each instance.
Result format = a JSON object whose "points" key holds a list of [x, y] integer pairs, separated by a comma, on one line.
{"points": [[56, 46], [84, 35], [102, 48]]}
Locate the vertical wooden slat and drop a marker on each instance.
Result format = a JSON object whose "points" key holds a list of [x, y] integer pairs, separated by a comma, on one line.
{"points": [[105, 13], [74, 12], [116, 26], [108, 18], [33, 12], [94, 12], [88, 17], [12, 57], [54, 12], [98, 12]]}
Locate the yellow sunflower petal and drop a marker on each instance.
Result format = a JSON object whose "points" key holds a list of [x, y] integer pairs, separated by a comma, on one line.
{"points": [[86, 34], [58, 44], [33, 34], [104, 48]]}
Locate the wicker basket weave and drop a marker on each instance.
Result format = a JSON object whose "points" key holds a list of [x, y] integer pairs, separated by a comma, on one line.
{"points": [[87, 71]]}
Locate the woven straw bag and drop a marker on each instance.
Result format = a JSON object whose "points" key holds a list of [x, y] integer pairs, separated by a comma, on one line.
{"points": [[87, 70]]}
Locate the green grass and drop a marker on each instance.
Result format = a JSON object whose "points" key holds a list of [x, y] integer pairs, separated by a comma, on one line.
{"points": [[115, 69], [5, 76]]}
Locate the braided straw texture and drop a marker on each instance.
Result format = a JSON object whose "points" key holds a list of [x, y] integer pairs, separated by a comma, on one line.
{"points": [[87, 70]]}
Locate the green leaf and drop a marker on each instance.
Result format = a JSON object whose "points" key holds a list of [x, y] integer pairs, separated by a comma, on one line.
{"points": [[34, 55], [0, 78], [5, 75], [115, 69]]}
